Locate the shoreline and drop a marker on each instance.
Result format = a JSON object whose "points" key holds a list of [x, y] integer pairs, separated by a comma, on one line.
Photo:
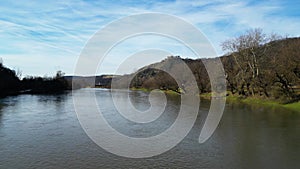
{"points": [[171, 92], [295, 106]]}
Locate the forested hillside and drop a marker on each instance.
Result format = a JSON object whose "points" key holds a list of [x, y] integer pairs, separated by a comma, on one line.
{"points": [[270, 70]]}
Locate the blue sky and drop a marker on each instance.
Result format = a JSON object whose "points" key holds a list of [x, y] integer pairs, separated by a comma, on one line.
{"points": [[41, 37]]}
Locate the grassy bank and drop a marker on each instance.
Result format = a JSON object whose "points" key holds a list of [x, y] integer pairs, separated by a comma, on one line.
{"points": [[293, 106], [249, 100], [171, 92], [258, 101]]}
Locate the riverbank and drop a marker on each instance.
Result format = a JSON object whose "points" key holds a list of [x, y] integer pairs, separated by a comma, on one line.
{"points": [[258, 101], [234, 99], [171, 92]]}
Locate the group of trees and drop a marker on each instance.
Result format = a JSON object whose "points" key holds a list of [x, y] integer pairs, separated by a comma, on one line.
{"points": [[154, 79], [46, 85], [9, 82], [170, 74], [256, 64], [12, 84]]}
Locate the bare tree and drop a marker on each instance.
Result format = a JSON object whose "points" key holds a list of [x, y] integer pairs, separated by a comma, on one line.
{"points": [[248, 51], [19, 73], [59, 74]]}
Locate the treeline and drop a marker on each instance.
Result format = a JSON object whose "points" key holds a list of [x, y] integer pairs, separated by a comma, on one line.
{"points": [[256, 65], [11, 84]]}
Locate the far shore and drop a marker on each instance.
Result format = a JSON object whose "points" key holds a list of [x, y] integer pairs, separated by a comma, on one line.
{"points": [[295, 106]]}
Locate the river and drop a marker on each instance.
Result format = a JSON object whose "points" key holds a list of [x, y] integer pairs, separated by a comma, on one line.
{"points": [[42, 131]]}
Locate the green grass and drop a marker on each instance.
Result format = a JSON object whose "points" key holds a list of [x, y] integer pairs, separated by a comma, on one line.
{"points": [[140, 89], [205, 95], [253, 100], [293, 106], [258, 101], [170, 92], [265, 102], [249, 100]]}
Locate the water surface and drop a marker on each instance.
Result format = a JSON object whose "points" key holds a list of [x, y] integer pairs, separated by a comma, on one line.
{"points": [[42, 131]]}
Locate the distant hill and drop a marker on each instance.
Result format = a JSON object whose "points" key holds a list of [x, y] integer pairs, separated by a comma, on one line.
{"points": [[277, 72], [76, 82]]}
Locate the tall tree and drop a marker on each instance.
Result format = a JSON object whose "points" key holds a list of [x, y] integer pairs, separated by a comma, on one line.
{"points": [[249, 51]]}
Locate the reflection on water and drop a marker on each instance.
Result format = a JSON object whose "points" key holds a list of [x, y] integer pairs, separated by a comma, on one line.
{"points": [[141, 102], [42, 131]]}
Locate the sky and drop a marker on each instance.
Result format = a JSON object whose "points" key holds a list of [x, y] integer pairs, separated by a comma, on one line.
{"points": [[38, 37]]}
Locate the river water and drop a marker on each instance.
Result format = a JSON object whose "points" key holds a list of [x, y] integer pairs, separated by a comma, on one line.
{"points": [[42, 131]]}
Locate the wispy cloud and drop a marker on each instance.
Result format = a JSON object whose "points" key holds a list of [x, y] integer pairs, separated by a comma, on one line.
{"points": [[53, 33]]}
